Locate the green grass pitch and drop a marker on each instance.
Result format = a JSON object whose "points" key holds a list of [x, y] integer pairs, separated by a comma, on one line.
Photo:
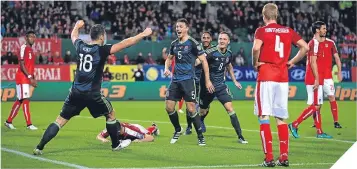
{"points": [[76, 143]]}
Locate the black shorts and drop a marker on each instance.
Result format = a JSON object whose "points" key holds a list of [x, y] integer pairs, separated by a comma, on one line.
{"points": [[185, 89], [76, 101], [222, 93]]}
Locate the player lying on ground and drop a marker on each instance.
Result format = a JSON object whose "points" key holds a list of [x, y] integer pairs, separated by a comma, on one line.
{"points": [[271, 51], [86, 88], [134, 132], [219, 58], [314, 79]]}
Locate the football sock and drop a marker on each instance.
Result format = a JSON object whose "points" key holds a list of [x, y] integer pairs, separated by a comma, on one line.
{"points": [[304, 115], [27, 114], [14, 110], [235, 123], [283, 133], [197, 124], [318, 122], [188, 119], [267, 140], [204, 116], [113, 128], [49, 134], [334, 110], [175, 121]]}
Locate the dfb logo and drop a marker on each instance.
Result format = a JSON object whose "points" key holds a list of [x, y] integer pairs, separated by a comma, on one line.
{"points": [[298, 74]]}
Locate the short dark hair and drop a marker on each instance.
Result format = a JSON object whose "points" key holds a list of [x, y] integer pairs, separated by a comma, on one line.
{"points": [[183, 20], [224, 32], [207, 33], [30, 32], [96, 30], [316, 25]]}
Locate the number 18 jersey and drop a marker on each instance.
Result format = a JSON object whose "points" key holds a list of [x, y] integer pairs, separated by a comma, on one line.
{"points": [[90, 64], [275, 51]]}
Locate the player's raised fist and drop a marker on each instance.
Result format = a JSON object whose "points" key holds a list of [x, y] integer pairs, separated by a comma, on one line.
{"points": [[147, 32], [79, 24], [167, 72]]}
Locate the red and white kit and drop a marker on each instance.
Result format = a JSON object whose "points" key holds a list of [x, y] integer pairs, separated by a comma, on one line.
{"points": [[22, 81]]}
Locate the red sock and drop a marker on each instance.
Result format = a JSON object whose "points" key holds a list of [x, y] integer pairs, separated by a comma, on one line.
{"points": [[304, 115], [180, 104], [151, 129], [283, 133], [267, 141], [334, 110], [14, 110], [26, 108], [318, 122]]}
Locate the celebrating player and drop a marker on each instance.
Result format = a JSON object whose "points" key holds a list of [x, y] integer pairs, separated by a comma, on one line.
{"points": [[185, 49], [134, 132], [206, 40], [271, 51], [329, 88], [24, 79], [85, 90], [314, 79], [219, 58]]}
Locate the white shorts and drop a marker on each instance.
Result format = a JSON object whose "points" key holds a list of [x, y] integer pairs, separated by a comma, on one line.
{"points": [[314, 97], [271, 99], [23, 91], [329, 87]]}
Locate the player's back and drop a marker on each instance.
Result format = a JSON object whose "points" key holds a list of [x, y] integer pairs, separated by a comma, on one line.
{"points": [[275, 51], [91, 59]]}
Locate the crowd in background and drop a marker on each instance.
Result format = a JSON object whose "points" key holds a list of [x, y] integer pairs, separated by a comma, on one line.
{"points": [[125, 19]]}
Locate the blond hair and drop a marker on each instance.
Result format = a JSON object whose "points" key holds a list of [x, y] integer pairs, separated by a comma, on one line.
{"points": [[270, 11]]}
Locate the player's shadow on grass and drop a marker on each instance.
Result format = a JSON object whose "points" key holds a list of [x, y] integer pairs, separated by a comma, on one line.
{"points": [[220, 136]]}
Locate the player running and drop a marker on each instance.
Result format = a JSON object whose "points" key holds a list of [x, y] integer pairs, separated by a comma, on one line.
{"points": [[314, 79], [85, 90], [219, 58], [206, 40], [134, 132], [185, 49], [271, 51], [24, 79], [328, 87]]}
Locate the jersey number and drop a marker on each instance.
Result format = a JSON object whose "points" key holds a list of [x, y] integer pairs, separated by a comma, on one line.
{"points": [[279, 46], [220, 66], [179, 55], [86, 62]]}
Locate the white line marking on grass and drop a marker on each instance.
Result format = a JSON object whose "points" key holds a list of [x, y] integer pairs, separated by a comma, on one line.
{"points": [[43, 159], [220, 127], [220, 166]]}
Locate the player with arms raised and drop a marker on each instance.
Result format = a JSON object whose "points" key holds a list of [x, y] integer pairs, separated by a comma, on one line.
{"points": [[271, 51], [314, 79], [219, 59], [24, 79], [185, 49], [85, 90]]}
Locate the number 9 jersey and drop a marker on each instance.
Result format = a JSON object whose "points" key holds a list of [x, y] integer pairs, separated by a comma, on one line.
{"points": [[275, 51], [90, 64]]}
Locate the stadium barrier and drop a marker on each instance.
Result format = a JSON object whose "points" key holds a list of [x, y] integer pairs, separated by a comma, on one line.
{"points": [[118, 91], [41, 46], [42, 73]]}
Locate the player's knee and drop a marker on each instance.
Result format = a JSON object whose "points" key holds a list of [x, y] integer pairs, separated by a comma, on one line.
{"points": [[169, 110], [263, 117], [149, 138], [331, 98], [191, 109], [229, 109], [203, 112], [317, 107], [110, 116], [61, 121]]}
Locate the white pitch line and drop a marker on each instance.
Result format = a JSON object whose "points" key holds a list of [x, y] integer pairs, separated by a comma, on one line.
{"points": [[219, 166], [43, 159], [220, 127]]}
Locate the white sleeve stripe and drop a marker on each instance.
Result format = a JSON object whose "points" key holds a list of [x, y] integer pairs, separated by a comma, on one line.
{"points": [[22, 53], [316, 46]]}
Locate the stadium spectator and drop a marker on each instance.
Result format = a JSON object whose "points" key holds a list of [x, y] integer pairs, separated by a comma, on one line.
{"points": [[239, 60], [140, 59], [67, 57], [150, 60], [126, 60], [107, 75], [161, 61], [57, 59], [112, 59], [39, 59], [139, 73]]}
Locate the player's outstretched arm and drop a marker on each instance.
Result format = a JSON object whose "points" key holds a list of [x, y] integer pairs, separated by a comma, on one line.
{"points": [[313, 64], [75, 32], [256, 52], [197, 62], [303, 48], [205, 67], [130, 41], [231, 73], [338, 63], [168, 62]]}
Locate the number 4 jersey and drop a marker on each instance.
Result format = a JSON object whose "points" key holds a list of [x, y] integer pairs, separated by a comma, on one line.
{"points": [[91, 59], [275, 51]]}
